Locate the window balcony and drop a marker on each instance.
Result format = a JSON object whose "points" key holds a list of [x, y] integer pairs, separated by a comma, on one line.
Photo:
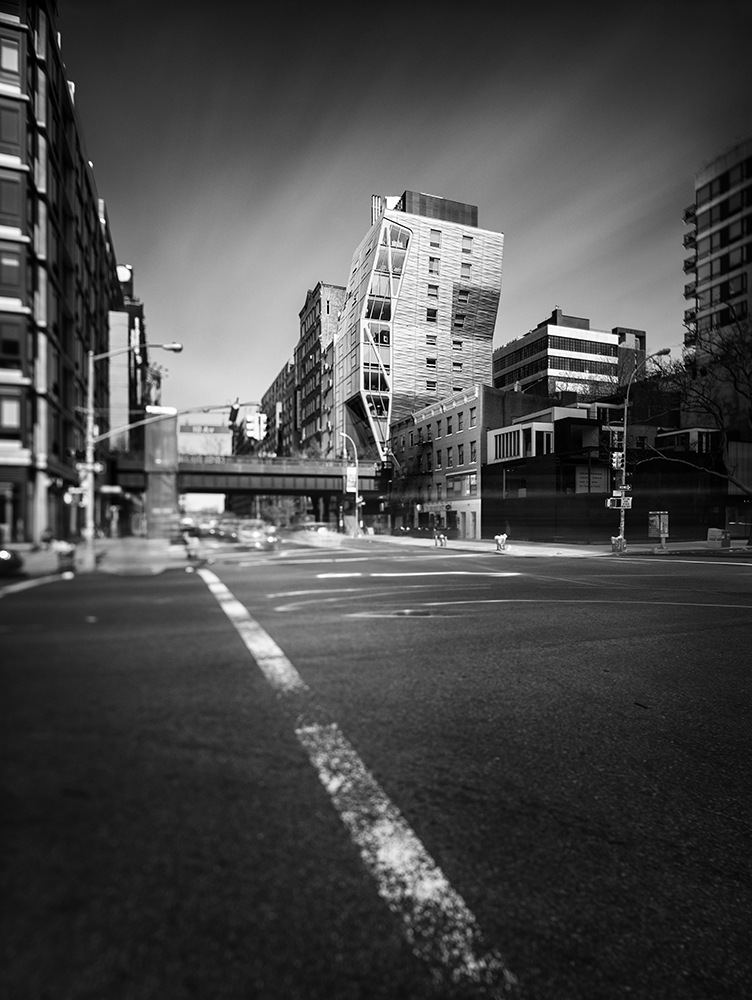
{"points": [[690, 264], [690, 214], [690, 240], [690, 315], [690, 290]]}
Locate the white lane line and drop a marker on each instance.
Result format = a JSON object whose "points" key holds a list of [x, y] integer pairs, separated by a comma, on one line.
{"points": [[335, 576], [555, 600], [449, 572], [37, 581], [439, 926], [272, 662]]}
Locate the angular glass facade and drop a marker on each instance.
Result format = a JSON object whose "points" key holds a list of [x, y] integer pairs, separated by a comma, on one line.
{"points": [[418, 317]]}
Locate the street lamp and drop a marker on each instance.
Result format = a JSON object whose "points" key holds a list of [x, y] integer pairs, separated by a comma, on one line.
{"points": [[357, 481], [622, 511], [89, 467]]}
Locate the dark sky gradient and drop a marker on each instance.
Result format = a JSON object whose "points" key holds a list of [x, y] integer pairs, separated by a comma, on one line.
{"points": [[237, 153]]}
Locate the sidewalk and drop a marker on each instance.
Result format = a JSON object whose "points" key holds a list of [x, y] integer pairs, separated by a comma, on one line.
{"points": [[149, 556], [581, 550], [121, 556]]}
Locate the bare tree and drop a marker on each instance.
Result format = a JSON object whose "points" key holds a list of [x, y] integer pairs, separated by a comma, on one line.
{"points": [[714, 383]]}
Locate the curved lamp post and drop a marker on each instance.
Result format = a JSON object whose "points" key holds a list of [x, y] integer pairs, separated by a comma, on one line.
{"points": [[622, 512], [89, 466]]}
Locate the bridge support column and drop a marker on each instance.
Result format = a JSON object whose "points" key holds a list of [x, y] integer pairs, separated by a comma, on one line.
{"points": [[161, 467]]}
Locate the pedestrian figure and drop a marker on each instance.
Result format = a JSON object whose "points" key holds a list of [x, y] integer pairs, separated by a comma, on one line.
{"points": [[66, 555], [47, 537], [442, 539], [436, 537], [501, 542]]}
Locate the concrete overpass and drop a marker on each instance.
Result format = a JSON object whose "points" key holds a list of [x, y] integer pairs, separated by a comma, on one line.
{"points": [[251, 475]]}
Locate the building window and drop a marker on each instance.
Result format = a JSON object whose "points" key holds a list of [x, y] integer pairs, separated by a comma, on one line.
{"points": [[10, 345], [10, 272], [466, 271], [10, 416], [431, 385], [456, 345], [456, 366], [430, 362], [438, 458], [450, 459], [449, 425], [10, 131], [460, 421], [432, 315], [463, 296], [459, 322], [433, 265], [430, 340], [467, 244], [473, 416], [428, 432], [9, 60], [433, 291], [460, 454], [507, 445], [473, 452], [438, 428], [435, 239], [438, 491]]}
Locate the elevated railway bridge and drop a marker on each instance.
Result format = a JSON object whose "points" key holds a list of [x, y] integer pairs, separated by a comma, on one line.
{"points": [[161, 479]]}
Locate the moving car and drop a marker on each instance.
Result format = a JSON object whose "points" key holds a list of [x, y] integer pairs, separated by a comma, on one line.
{"points": [[10, 562], [258, 534]]}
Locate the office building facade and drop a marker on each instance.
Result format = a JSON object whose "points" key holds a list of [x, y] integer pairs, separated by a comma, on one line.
{"points": [[719, 238], [313, 375], [58, 280], [418, 317], [564, 354]]}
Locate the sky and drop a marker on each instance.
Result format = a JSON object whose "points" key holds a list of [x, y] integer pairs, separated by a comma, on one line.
{"points": [[237, 153]]}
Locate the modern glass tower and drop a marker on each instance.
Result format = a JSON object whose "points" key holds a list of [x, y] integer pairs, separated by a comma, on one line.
{"points": [[419, 313], [719, 238]]}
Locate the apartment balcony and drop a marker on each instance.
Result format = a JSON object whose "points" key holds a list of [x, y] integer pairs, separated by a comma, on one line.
{"points": [[690, 315], [690, 215], [690, 290], [690, 264], [690, 240]]}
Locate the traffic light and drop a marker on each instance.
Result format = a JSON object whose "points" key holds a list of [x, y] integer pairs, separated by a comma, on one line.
{"points": [[617, 460], [234, 410]]}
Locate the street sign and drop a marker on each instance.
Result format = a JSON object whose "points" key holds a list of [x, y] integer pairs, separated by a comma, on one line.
{"points": [[95, 467], [351, 479]]}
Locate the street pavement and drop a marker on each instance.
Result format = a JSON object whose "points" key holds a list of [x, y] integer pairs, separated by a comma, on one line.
{"points": [[379, 771], [140, 556]]}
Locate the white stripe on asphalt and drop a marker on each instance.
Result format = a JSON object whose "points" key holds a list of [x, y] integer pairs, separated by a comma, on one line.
{"points": [[37, 581], [449, 572], [437, 922]]}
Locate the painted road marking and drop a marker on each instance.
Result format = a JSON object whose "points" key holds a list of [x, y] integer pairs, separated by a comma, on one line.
{"points": [[438, 572], [15, 588], [449, 572], [437, 922]]}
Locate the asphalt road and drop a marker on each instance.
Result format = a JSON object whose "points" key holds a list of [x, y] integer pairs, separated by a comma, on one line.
{"points": [[379, 773]]}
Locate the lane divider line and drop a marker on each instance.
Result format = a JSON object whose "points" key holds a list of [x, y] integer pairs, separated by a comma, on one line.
{"points": [[438, 925]]}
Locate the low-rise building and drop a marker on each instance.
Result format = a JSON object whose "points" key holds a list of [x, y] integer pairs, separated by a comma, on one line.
{"points": [[564, 354]]}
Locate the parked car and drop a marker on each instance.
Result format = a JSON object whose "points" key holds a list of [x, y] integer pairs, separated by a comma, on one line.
{"points": [[10, 562]]}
